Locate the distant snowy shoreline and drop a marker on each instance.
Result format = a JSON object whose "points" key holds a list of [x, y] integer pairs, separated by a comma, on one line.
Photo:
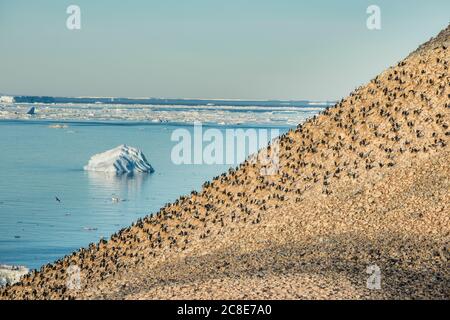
{"points": [[160, 101]]}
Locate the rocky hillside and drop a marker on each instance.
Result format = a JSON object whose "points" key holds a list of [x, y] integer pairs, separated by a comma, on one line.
{"points": [[364, 184]]}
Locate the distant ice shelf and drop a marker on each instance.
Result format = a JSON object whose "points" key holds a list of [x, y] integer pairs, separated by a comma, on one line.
{"points": [[120, 160]]}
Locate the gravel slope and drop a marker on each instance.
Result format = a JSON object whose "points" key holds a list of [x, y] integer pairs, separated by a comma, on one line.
{"points": [[365, 183]]}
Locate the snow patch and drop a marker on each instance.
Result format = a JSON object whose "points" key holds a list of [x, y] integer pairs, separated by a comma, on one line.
{"points": [[11, 274]]}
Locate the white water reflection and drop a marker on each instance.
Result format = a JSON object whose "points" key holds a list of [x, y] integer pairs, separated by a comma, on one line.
{"points": [[125, 185]]}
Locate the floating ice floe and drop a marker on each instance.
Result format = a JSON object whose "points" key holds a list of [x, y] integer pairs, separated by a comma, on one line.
{"points": [[58, 126], [11, 274], [120, 160], [90, 229]]}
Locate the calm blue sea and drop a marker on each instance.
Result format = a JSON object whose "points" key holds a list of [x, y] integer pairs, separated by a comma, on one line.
{"points": [[39, 163]]}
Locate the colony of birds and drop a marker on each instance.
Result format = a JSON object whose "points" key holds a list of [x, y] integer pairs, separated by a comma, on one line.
{"points": [[365, 184]]}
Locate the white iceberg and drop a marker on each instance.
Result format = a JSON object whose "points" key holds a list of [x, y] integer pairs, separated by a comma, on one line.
{"points": [[11, 274], [120, 160]]}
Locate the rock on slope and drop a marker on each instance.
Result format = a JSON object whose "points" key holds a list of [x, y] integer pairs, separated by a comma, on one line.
{"points": [[364, 183]]}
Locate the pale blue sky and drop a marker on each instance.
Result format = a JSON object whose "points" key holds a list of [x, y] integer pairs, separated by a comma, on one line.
{"points": [[242, 49]]}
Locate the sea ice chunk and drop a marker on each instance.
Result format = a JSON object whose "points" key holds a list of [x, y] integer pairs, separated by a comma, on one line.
{"points": [[120, 160]]}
